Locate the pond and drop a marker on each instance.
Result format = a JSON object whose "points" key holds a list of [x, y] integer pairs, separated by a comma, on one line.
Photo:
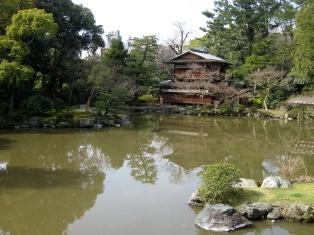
{"points": [[136, 180]]}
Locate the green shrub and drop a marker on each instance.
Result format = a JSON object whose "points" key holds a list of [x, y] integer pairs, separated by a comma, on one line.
{"points": [[257, 103], [37, 104], [58, 104], [147, 99], [65, 117], [218, 181]]}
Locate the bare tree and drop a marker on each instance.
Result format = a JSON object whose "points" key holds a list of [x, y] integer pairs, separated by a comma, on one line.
{"points": [[199, 80], [266, 79], [176, 43]]}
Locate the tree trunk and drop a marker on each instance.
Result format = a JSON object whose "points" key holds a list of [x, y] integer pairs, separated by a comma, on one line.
{"points": [[69, 99], [11, 102], [87, 107], [265, 100]]}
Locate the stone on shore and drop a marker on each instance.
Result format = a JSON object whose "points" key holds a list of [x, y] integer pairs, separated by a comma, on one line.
{"points": [[298, 212], [221, 218], [195, 199], [255, 211], [63, 125], [86, 123], [275, 214], [275, 182]]}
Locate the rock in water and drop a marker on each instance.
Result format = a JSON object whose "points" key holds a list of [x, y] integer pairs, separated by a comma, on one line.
{"points": [[298, 212], [195, 199], [3, 166], [255, 211], [221, 218], [86, 123], [275, 182], [275, 214]]}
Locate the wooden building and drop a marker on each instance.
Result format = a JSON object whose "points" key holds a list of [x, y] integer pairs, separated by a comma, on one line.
{"points": [[192, 71]]}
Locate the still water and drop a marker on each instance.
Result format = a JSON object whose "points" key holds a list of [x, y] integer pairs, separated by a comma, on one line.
{"points": [[136, 180]]}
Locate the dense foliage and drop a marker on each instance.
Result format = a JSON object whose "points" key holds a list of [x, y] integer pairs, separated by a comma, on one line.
{"points": [[218, 181], [55, 50], [257, 35]]}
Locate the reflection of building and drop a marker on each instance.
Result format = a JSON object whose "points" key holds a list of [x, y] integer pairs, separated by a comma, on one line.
{"points": [[182, 88]]}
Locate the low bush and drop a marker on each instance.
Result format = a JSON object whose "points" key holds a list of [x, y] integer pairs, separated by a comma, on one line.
{"points": [[149, 99], [65, 117], [218, 182], [37, 104], [58, 105]]}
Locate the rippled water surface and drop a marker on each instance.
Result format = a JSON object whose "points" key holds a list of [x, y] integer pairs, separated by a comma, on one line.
{"points": [[136, 180]]}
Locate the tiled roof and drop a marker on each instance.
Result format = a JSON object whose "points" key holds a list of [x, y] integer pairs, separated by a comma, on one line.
{"points": [[203, 55]]}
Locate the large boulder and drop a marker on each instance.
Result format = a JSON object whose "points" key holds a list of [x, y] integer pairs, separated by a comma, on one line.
{"points": [[255, 211], [275, 214], [221, 218], [298, 212], [195, 199], [275, 182], [86, 122]]}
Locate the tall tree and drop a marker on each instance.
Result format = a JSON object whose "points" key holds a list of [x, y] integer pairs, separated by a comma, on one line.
{"points": [[304, 44], [177, 42], [141, 63], [235, 26], [107, 78], [8, 8], [12, 75], [77, 32]]}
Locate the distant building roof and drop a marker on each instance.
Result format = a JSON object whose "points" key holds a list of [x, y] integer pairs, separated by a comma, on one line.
{"points": [[204, 57]]}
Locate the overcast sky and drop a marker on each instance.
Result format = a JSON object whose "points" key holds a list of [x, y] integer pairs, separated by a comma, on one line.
{"points": [[147, 17]]}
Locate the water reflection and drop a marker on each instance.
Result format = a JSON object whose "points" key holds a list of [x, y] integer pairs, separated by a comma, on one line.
{"points": [[250, 144], [41, 201], [150, 168]]}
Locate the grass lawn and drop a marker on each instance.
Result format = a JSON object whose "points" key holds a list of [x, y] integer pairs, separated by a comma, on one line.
{"points": [[299, 193]]}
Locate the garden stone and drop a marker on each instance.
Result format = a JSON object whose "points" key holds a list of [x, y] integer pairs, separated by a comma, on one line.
{"points": [[275, 182], [221, 218], [298, 212], [195, 199], [125, 121], [106, 122], [63, 125], [255, 211], [3, 166], [98, 126], [24, 126], [86, 123], [35, 122], [275, 214]]}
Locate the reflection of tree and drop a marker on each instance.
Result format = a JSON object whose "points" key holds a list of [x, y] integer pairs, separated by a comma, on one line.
{"points": [[143, 162], [247, 141], [44, 201], [143, 168]]}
